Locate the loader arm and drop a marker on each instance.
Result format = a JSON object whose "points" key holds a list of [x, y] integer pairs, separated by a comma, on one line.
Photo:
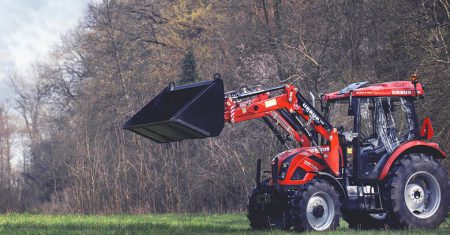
{"points": [[199, 110], [262, 105]]}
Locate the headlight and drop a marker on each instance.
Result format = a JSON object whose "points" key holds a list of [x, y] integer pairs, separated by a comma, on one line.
{"points": [[285, 167]]}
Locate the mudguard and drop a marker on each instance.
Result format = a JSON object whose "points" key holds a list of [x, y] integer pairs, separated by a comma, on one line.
{"points": [[418, 146]]}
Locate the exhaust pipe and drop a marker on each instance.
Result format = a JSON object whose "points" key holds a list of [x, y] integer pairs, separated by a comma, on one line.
{"points": [[275, 175], [258, 173]]}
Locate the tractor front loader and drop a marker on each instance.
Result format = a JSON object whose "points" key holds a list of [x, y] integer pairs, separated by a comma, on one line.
{"points": [[365, 159]]}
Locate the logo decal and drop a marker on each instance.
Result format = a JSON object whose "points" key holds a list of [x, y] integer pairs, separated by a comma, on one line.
{"points": [[400, 92], [312, 114]]}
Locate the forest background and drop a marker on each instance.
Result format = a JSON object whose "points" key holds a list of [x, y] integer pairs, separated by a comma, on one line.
{"points": [[67, 112]]}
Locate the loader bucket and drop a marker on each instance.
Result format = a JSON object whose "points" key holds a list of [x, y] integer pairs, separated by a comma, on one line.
{"points": [[182, 112]]}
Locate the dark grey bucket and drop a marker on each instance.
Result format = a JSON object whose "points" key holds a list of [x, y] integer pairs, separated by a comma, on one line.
{"points": [[182, 112]]}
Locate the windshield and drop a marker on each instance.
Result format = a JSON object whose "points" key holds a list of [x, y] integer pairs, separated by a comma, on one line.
{"points": [[337, 115]]}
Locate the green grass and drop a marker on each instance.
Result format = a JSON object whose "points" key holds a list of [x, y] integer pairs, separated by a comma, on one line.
{"points": [[155, 224]]}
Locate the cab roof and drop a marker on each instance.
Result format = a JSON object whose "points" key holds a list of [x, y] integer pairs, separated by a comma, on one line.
{"points": [[397, 88]]}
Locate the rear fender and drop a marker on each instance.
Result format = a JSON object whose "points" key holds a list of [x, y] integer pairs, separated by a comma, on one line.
{"points": [[416, 146]]}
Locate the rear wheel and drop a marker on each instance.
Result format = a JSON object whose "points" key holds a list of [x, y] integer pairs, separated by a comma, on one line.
{"points": [[315, 207], [415, 192]]}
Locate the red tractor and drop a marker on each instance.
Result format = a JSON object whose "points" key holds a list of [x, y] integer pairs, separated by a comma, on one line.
{"points": [[366, 159]]}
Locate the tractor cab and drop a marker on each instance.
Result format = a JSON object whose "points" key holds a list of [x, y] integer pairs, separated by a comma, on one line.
{"points": [[373, 121]]}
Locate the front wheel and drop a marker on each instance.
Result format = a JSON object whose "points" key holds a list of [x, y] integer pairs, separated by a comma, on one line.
{"points": [[415, 192], [315, 207], [256, 214], [266, 216]]}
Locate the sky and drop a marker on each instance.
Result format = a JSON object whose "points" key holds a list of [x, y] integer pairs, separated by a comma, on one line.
{"points": [[29, 29]]}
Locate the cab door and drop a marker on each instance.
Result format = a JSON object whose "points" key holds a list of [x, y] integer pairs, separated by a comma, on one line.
{"points": [[364, 143], [383, 124]]}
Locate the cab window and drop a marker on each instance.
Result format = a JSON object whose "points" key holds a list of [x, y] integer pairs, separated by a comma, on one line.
{"points": [[338, 117]]}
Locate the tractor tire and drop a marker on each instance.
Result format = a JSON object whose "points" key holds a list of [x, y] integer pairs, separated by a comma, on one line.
{"points": [[315, 207], [364, 221], [415, 192], [256, 214], [261, 218]]}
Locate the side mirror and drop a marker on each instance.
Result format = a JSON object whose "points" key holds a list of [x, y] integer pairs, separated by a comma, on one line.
{"points": [[322, 105], [426, 131], [352, 106], [350, 111]]}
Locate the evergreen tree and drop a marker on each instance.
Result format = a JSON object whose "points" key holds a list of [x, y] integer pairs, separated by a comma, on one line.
{"points": [[188, 73]]}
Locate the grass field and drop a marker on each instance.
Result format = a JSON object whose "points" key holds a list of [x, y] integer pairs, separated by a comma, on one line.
{"points": [[155, 224]]}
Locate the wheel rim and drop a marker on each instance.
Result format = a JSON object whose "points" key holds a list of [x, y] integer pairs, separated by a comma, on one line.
{"points": [[320, 211], [422, 194]]}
